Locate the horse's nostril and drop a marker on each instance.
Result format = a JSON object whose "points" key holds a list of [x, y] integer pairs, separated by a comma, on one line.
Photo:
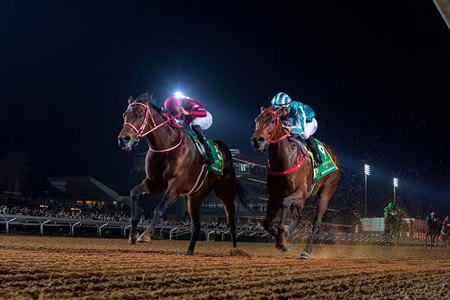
{"points": [[126, 138], [260, 139]]}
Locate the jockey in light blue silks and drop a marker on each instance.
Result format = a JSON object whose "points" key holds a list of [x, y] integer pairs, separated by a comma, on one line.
{"points": [[300, 119]]}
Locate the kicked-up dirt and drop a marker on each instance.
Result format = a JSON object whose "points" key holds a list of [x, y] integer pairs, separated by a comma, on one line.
{"points": [[93, 268]]}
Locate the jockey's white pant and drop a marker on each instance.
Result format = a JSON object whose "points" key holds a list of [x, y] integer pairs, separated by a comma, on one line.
{"points": [[310, 128], [203, 122]]}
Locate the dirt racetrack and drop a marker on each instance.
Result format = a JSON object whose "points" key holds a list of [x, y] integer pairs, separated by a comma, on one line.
{"points": [[93, 268]]}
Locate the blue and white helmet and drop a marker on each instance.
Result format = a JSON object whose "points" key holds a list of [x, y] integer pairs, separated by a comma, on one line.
{"points": [[281, 99]]}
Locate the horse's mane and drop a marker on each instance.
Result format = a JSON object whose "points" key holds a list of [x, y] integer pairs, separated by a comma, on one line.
{"points": [[146, 97]]}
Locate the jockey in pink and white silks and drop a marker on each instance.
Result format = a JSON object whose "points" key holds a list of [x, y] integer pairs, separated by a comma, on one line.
{"points": [[194, 115], [300, 118]]}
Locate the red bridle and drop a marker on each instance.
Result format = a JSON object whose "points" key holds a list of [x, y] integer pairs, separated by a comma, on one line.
{"points": [[300, 156], [140, 132], [277, 126]]}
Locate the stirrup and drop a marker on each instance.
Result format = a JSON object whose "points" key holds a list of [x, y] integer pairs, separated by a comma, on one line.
{"points": [[317, 163], [208, 160]]}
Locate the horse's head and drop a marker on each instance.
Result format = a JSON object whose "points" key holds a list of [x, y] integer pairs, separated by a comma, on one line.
{"points": [[268, 126], [136, 119]]}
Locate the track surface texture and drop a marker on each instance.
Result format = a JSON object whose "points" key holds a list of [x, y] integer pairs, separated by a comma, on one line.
{"points": [[93, 268]]}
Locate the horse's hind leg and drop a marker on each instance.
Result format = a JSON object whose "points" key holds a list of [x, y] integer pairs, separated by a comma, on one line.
{"points": [[194, 213], [272, 210], [135, 193], [321, 208], [226, 192]]}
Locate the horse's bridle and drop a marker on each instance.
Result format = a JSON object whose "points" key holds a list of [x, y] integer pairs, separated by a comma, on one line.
{"points": [[300, 155], [147, 115], [277, 126]]}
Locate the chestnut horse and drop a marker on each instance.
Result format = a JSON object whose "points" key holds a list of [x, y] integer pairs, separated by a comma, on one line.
{"points": [[290, 179], [174, 166]]}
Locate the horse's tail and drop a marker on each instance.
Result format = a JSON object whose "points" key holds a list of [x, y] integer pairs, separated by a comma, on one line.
{"points": [[241, 195]]}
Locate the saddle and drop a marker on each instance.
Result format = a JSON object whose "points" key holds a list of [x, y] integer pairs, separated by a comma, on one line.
{"points": [[217, 166]]}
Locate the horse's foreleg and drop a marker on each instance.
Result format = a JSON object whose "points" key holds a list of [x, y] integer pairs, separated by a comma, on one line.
{"points": [[135, 193], [272, 210], [168, 199], [281, 241]]}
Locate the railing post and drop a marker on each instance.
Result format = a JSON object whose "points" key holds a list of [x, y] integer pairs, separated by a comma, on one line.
{"points": [[42, 226], [72, 231], [172, 231], [100, 229], [125, 230], [7, 225]]}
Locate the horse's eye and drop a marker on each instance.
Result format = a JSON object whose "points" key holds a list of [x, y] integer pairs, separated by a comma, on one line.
{"points": [[273, 121], [140, 116]]}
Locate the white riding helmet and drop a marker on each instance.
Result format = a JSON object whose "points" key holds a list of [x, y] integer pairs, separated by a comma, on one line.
{"points": [[281, 100]]}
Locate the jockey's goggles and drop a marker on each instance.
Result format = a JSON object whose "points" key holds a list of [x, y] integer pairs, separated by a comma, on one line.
{"points": [[276, 107]]}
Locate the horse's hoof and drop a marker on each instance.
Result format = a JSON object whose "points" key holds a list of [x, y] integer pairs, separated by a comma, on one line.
{"points": [[284, 249], [143, 239], [132, 238], [189, 253], [304, 255]]}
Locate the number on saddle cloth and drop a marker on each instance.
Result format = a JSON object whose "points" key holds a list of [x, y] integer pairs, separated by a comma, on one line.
{"points": [[327, 167], [217, 166]]}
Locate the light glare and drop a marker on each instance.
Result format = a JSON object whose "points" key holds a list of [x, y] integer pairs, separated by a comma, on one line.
{"points": [[179, 94], [395, 182]]}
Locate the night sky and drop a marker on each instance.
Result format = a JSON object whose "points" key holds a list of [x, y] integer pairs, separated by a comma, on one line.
{"points": [[376, 74]]}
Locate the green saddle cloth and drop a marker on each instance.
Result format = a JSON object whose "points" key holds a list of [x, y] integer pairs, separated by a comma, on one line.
{"points": [[328, 166], [217, 166]]}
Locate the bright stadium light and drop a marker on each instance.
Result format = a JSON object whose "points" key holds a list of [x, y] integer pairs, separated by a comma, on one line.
{"points": [[366, 173], [366, 169], [179, 94], [395, 186]]}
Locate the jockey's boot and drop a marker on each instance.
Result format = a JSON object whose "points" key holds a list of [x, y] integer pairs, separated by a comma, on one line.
{"points": [[207, 157], [315, 150]]}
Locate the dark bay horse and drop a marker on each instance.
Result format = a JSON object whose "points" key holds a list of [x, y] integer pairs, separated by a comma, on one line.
{"points": [[174, 167], [393, 226], [433, 232], [290, 179]]}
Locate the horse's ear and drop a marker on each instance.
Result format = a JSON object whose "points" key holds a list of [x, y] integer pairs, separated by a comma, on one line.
{"points": [[130, 100], [262, 108]]}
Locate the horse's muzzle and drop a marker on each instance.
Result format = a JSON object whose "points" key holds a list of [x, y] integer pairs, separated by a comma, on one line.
{"points": [[259, 143], [127, 143]]}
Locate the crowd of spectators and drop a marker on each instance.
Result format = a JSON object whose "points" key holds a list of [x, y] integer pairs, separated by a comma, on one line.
{"points": [[60, 209]]}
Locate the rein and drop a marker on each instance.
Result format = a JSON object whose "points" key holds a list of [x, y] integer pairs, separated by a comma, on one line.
{"points": [[140, 132], [300, 155]]}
